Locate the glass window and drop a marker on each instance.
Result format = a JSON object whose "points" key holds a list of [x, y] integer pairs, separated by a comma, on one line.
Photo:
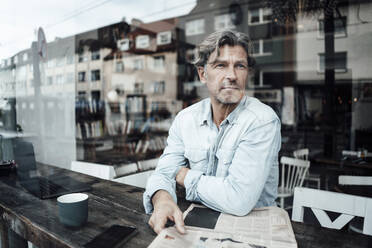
{"points": [[95, 75], [83, 57], [256, 47], [159, 87], [254, 16], [340, 62], [124, 44], [138, 64], [81, 76], [259, 16], [25, 56], [142, 41], [267, 46], [95, 55], [138, 88], [340, 25], [194, 27], [266, 15], [224, 21], [262, 47], [164, 38], [119, 66], [159, 61]]}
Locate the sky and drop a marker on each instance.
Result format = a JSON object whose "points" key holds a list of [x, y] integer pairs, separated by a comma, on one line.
{"points": [[61, 18]]}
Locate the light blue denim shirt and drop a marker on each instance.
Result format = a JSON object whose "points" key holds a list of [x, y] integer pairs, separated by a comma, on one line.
{"points": [[234, 168]]}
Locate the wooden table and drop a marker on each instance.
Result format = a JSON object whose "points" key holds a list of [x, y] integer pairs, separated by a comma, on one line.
{"points": [[113, 203]]}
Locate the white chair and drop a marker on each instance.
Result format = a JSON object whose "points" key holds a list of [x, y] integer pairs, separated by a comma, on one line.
{"points": [[293, 172], [304, 154], [320, 201]]}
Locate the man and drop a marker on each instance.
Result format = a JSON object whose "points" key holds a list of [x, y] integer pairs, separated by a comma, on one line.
{"points": [[224, 149]]}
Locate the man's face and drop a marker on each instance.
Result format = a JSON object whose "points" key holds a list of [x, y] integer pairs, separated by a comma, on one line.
{"points": [[226, 74]]}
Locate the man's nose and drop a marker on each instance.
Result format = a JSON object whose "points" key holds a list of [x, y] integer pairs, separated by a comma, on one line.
{"points": [[231, 74]]}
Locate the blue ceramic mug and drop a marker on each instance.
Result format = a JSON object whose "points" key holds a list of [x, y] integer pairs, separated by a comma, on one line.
{"points": [[73, 209]]}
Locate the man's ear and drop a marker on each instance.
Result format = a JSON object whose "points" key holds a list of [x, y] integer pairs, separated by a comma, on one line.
{"points": [[202, 74]]}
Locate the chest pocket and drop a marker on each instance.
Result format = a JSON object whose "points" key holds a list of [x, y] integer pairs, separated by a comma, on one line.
{"points": [[197, 159], [225, 158]]}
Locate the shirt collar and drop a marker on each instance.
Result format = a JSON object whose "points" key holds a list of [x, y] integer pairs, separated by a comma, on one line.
{"points": [[206, 113]]}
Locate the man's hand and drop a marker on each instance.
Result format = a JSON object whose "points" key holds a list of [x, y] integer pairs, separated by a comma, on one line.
{"points": [[180, 178], [165, 208]]}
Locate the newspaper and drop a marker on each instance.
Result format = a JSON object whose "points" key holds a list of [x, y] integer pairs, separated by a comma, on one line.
{"points": [[267, 227]]}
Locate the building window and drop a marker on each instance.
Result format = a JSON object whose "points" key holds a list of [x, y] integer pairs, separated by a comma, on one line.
{"points": [[159, 61], [15, 59], [159, 87], [49, 80], [95, 75], [195, 27], [82, 94], [138, 88], [339, 27], [158, 105], [83, 57], [224, 21], [260, 80], [259, 16], [60, 79], [142, 41], [164, 38], [25, 56], [340, 62], [124, 44], [95, 55], [119, 66], [262, 47], [138, 64], [81, 76]]}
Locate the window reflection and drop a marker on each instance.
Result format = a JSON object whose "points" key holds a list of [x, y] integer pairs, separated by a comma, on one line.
{"points": [[109, 95]]}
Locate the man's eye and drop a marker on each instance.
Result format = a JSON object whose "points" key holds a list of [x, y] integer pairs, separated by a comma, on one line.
{"points": [[241, 66], [220, 65]]}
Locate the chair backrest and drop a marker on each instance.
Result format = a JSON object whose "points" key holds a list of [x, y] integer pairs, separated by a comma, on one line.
{"points": [[320, 201], [354, 180], [301, 154], [293, 172]]}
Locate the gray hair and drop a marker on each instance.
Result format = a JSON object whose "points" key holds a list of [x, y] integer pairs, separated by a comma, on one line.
{"points": [[219, 39]]}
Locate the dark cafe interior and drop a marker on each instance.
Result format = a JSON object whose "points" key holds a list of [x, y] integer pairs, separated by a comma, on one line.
{"points": [[89, 93]]}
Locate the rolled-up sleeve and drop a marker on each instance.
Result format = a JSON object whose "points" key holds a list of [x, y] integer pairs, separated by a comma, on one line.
{"points": [[169, 164], [239, 191]]}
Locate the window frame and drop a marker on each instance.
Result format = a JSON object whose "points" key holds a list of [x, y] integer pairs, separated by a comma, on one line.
{"points": [[159, 40], [95, 72], [142, 41], [342, 34], [338, 70], [227, 21], [190, 26], [261, 48], [260, 16]]}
